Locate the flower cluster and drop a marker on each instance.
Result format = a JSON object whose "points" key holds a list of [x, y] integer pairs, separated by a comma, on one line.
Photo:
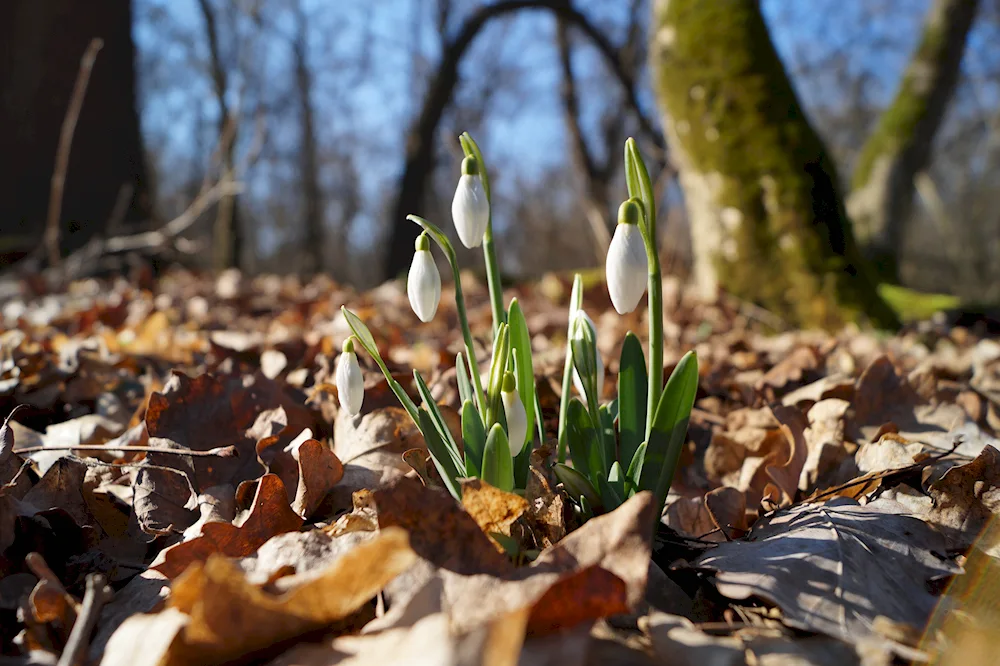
{"points": [[607, 451]]}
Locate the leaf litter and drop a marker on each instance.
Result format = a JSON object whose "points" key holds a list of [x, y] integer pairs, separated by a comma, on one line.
{"points": [[178, 486]]}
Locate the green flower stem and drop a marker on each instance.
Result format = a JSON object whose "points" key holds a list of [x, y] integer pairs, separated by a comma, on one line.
{"points": [[640, 186], [575, 303], [471, 148], [567, 389], [655, 304], [463, 317]]}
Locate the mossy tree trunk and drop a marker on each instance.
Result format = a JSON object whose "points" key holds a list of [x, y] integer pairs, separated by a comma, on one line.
{"points": [[900, 147], [767, 218]]}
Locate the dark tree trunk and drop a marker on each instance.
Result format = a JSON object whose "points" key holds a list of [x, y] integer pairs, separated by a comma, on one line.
{"points": [[41, 44], [420, 139], [312, 249]]}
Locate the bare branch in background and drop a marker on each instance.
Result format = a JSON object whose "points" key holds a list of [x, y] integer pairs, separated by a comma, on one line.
{"points": [[595, 187], [420, 138], [62, 153], [228, 240]]}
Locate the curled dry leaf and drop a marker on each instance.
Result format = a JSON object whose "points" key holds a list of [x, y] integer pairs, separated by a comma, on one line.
{"points": [[883, 396], [205, 630], [834, 567], [966, 499], [785, 472], [269, 515], [319, 471]]}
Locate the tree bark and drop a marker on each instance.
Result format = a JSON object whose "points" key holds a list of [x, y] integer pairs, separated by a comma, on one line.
{"points": [[900, 147], [767, 217], [420, 139], [43, 43]]}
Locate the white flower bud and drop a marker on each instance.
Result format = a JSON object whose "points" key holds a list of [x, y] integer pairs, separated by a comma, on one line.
{"points": [[517, 417], [627, 265], [470, 208], [423, 283], [577, 383], [350, 383]]}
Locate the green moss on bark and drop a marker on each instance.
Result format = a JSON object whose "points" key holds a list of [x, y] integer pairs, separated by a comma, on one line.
{"points": [[741, 133]]}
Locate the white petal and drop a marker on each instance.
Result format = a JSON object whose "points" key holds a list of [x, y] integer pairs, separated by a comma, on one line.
{"points": [[517, 420], [423, 285], [350, 383], [627, 268], [600, 363], [470, 210]]}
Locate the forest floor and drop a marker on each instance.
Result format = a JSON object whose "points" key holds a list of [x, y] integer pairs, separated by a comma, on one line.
{"points": [[834, 504]]}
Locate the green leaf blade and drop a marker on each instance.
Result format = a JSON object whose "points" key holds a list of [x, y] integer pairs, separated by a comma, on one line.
{"points": [[632, 387], [584, 443], [576, 484], [439, 455], [438, 420], [474, 438], [498, 466], [670, 423], [520, 343]]}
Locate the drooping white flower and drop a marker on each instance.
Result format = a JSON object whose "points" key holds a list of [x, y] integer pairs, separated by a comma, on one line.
{"points": [[423, 283], [350, 383], [517, 417], [627, 265], [577, 382], [470, 209]]}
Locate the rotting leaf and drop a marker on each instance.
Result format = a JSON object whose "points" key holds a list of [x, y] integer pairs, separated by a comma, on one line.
{"points": [[269, 516], [834, 567]]}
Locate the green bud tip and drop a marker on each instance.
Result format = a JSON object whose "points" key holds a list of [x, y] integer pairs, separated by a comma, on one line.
{"points": [[508, 382], [470, 166], [629, 211], [348, 347], [423, 243]]}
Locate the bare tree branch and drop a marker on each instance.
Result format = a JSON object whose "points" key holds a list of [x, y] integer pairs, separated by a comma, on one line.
{"points": [[62, 152]]}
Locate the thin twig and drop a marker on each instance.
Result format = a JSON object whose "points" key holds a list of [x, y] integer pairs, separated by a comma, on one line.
{"points": [[62, 151], [96, 595], [219, 451]]}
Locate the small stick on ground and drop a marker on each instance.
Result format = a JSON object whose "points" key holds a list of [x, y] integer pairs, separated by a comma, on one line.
{"points": [[96, 595], [219, 451], [62, 151]]}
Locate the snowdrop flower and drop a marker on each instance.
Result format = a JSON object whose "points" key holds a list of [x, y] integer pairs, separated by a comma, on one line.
{"points": [[627, 265], [423, 283], [517, 417], [350, 383], [577, 382], [470, 208]]}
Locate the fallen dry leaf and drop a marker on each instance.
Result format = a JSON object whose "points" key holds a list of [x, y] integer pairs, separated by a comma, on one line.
{"points": [[834, 567], [202, 628], [269, 515], [493, 509]]}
